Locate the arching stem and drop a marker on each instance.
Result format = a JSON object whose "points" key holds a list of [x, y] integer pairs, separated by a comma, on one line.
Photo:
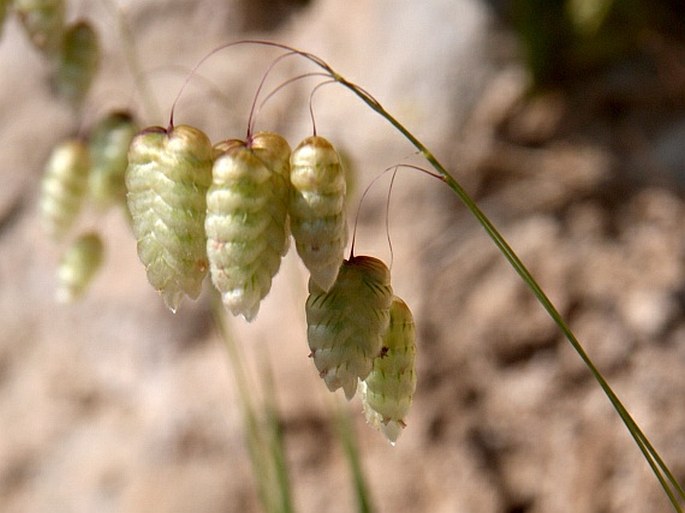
{"points": [[674, 491]]}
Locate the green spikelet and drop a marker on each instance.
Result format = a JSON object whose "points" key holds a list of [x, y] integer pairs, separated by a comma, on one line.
{"points": [[4, 4], [317, 213], [388, 390], [43, 21], [167, 178], [64, 186], [109, 142], [345, 325], [77, 63], [78, 266], [246, 222]]}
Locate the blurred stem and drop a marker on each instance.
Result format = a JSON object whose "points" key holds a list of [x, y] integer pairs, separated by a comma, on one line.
{"points": [[265, 444], [347, 439], [277, 442]]}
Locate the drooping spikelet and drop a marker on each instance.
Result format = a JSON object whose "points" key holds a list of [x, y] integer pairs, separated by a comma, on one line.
{"points": [[43, 21], [246, 221], [167, 178], [345, 325], [64, 186], [78, 266], [77, 62], [108, 145], [317, 213], [388, 390]]}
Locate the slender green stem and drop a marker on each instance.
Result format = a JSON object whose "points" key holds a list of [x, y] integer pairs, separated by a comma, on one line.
{"points": [[276, 441], [253, 431], [347, 440]]}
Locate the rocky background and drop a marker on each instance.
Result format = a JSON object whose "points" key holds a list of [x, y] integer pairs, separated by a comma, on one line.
{"points": [[114, 404]]}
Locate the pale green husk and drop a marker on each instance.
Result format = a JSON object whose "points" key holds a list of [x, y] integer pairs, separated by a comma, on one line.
{"points": [[388, 390], [108, 145], [167, 179], [77, 62], [246, 224], [43, 21], [63, 187], [78, 266], [345, 325], [317, 208]]}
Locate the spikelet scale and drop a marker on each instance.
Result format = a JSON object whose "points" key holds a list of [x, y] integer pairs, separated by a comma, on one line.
{"points": [[246, 221], [317, 213], [78, 266], [167, 178], [345, 325], [388, 390], [64, 186]]}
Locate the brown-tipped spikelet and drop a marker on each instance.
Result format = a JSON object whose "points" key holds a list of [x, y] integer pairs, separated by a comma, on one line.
{"points": [[78, 266], [246, 224], [345, 325], [77, 62], [109, 142], [43, 21], [167, 178], [388, 390], [64, 186], [317, 208]]}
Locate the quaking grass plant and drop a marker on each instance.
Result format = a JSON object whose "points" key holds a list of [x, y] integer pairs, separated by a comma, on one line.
{"points": [[341, 321], [170, 181]]}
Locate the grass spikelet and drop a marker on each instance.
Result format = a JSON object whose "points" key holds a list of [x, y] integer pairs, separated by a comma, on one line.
{"points": [[345, 325], [63, 187], [109, 143], [168, 175], [4, 4], [317, 208], [388, 390], [78, 266], [43, 21], [77, 62], [246, 222]]}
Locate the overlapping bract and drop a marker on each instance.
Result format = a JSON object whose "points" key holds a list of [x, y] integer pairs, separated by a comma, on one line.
{"points": [[388, 390], [168, 175], [317, 208], [246, 223], [63, 186], [346, 324]]}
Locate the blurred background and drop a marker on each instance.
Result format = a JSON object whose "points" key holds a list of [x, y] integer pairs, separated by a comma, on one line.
{"points": [[564, 118]]}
